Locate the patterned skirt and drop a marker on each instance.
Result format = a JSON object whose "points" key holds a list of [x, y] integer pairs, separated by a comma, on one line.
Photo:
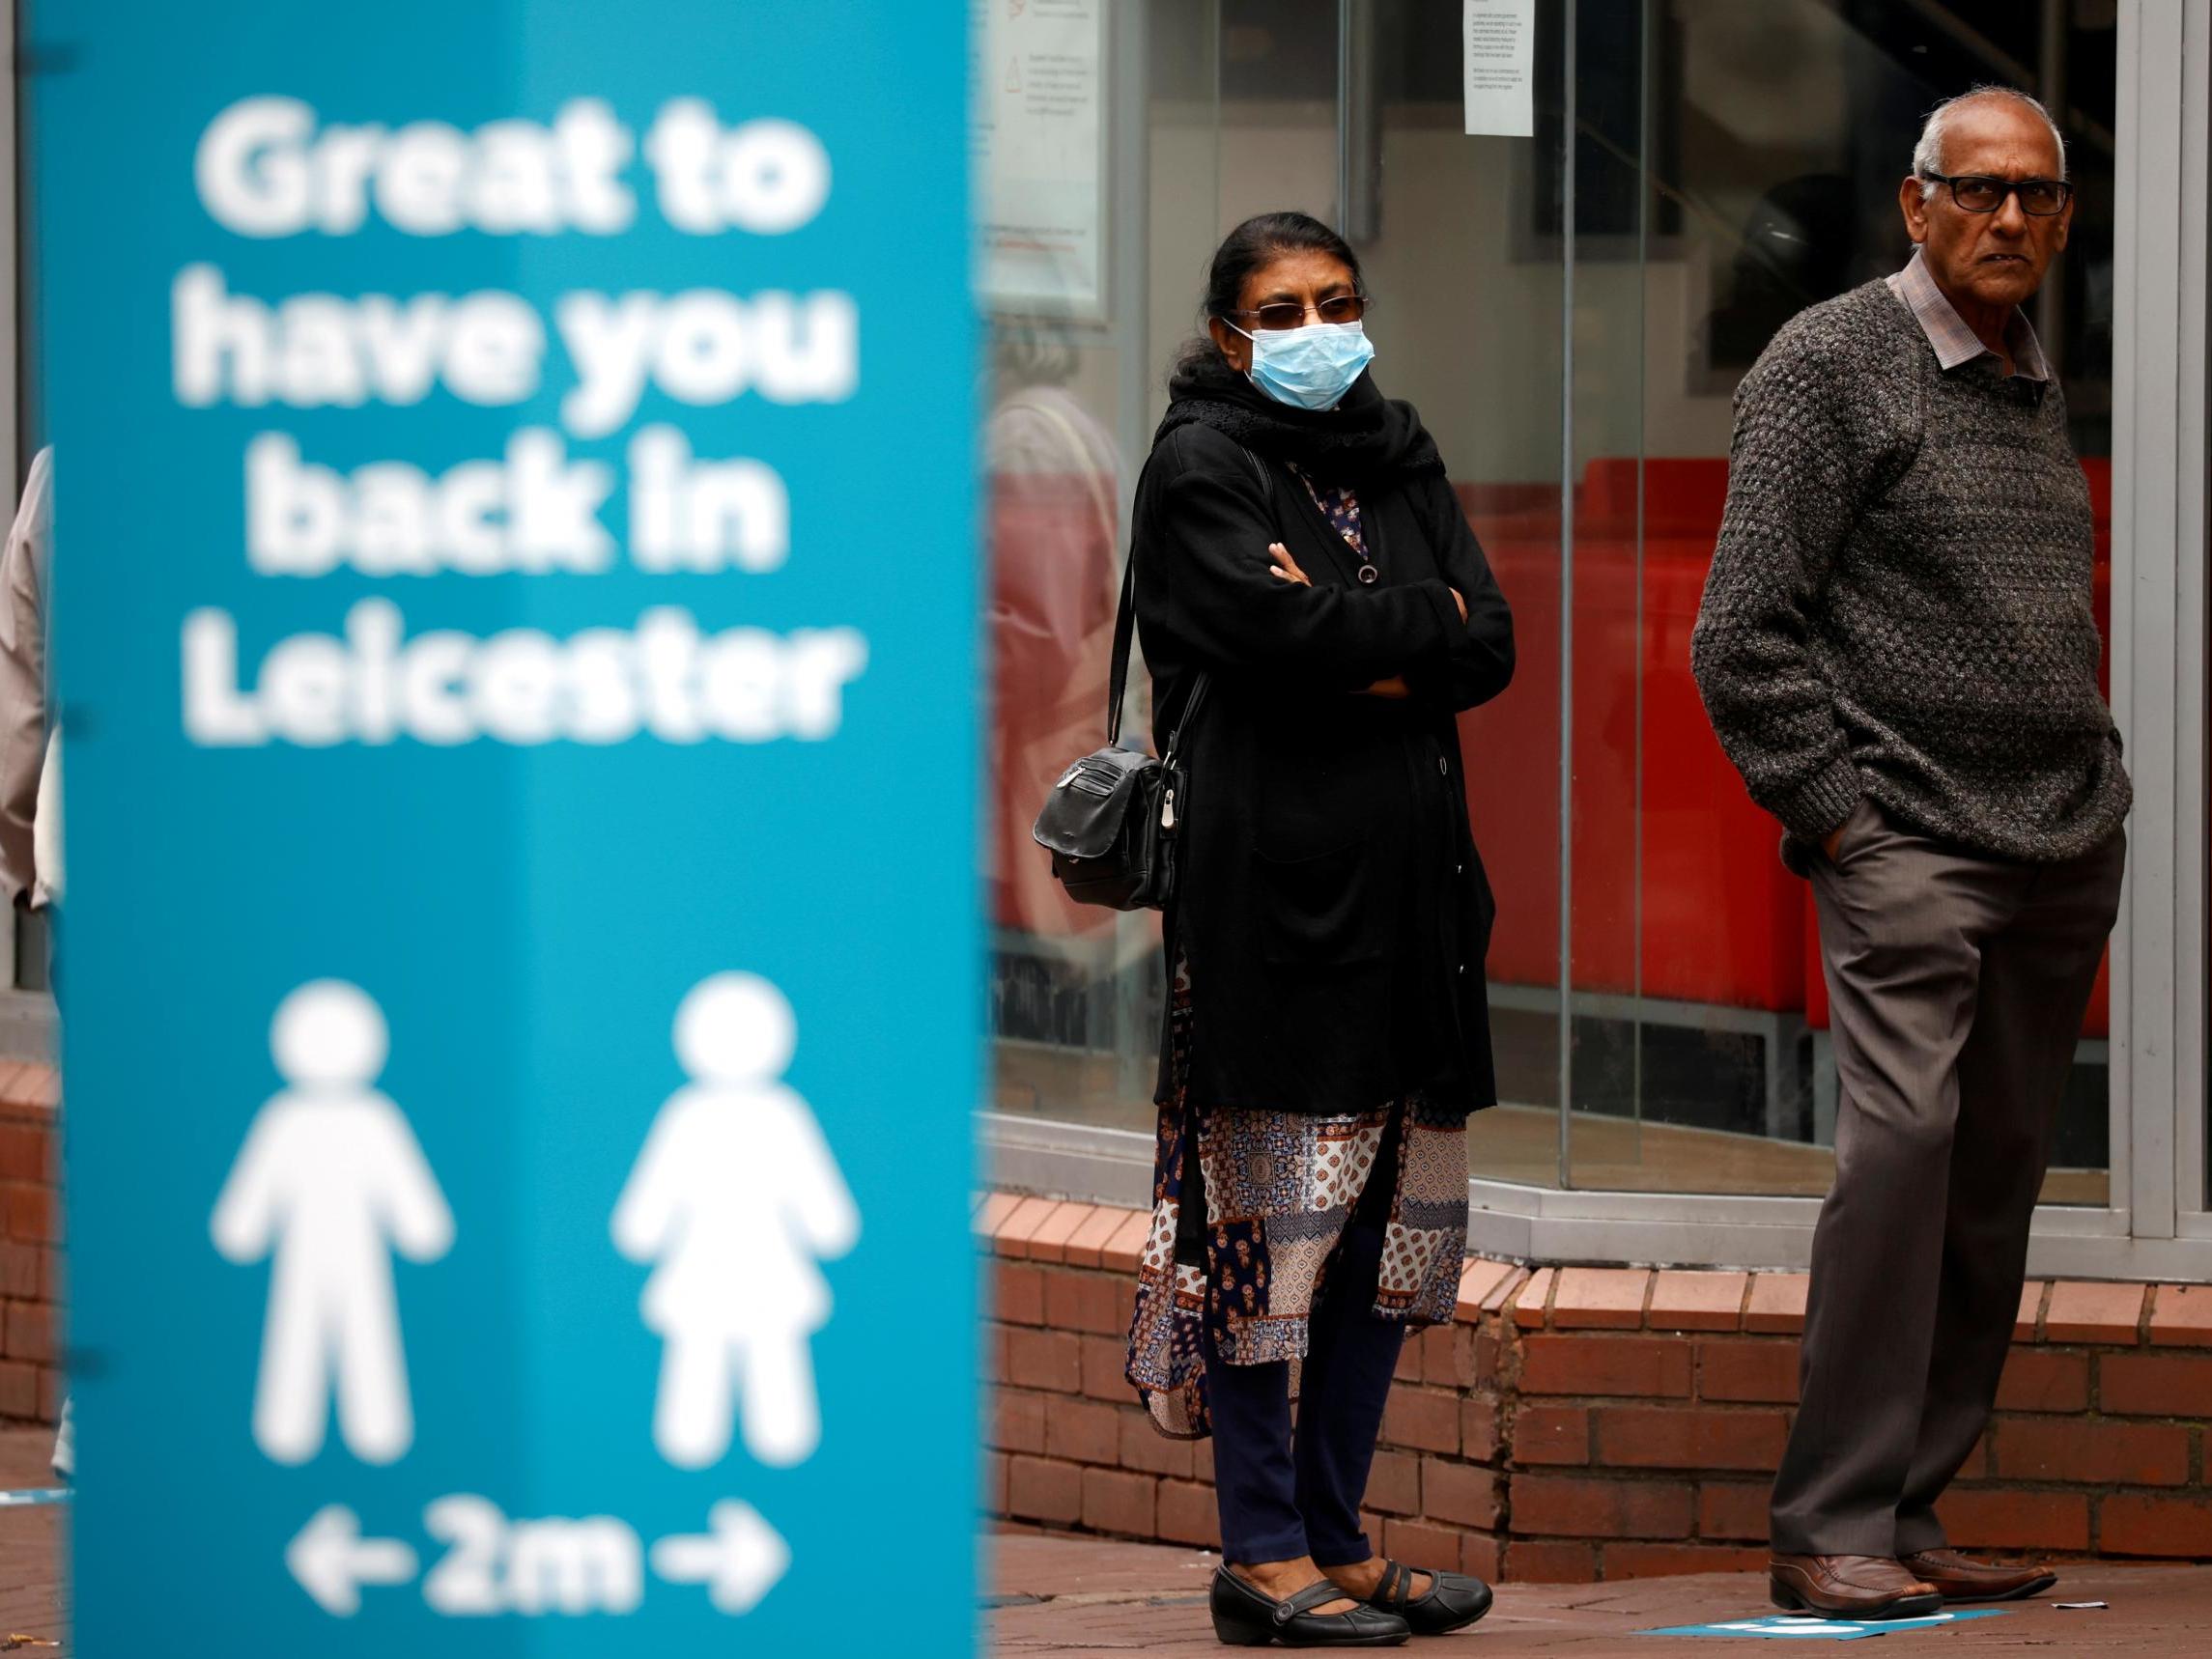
{"points": [[1279, 1187]]}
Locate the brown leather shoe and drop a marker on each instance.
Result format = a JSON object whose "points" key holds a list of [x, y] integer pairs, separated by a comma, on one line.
{"points": [[1957, 1578], [1849, 1586]]}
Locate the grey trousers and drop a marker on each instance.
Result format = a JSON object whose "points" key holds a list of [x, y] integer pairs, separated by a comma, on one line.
{"points": [[1957, 986]]}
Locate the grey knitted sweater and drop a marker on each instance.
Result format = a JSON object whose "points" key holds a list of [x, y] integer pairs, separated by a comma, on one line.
{"points": [[1899, 606]]}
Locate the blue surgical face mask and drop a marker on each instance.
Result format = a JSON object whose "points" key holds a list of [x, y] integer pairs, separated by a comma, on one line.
{"points": [[1312, 367]]}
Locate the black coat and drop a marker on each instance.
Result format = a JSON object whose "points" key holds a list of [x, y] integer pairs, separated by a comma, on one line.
{"points": [[1331, 906]]}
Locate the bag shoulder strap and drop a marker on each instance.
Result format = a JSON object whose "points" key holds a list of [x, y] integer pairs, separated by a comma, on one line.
{"points": [[1125, 627]]}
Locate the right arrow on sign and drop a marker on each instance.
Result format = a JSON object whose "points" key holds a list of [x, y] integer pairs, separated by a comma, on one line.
{"points": [[739, 1562], [332, 1561]]}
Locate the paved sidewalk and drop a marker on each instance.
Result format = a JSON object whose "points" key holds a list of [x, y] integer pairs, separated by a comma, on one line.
{"points": [[1070, 1597], [32, 1600]]}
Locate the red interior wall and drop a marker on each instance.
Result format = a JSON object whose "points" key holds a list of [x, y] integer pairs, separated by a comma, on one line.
{"points": [[1722, 920]]}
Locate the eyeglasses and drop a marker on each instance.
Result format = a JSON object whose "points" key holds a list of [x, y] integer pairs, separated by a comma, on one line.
{"points": [[1289, 314], [1977, 193]]}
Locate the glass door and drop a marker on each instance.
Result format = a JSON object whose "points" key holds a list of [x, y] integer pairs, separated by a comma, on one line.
{"points": [[1729, 165]]}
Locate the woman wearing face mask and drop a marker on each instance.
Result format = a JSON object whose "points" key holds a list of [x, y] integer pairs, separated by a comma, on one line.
{"points": [[1302, 556]]}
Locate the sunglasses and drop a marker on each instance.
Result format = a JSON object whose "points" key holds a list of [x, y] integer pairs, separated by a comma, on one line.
{"points": [[1290, 314]]}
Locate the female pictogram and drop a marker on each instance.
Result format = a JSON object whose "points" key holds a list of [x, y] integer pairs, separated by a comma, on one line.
{"points": [[735, 1198]]}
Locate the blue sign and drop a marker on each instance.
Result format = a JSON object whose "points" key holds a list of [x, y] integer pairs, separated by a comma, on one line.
{"points": [[1804, 1627], [516, 606]]}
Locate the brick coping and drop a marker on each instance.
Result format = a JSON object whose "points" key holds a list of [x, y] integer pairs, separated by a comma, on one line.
{"points": [[2109, 1313], [29, 1087]]}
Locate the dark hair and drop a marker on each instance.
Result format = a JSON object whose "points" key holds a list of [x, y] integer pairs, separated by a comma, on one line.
{"points": [[1251, 247]]}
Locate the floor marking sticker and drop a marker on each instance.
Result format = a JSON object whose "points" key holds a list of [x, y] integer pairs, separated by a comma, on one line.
{"points": [[1803, 1627]]}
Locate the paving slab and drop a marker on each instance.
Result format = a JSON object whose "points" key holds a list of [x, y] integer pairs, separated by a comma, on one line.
{"points": [[1071, 1597], [33, 1601]]}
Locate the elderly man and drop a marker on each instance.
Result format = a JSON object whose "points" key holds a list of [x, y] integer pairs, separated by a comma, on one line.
{"points": [[1897, 651]]}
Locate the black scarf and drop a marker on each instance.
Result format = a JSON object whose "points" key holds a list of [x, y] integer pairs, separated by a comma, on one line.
{"points": [[1367, 438]]}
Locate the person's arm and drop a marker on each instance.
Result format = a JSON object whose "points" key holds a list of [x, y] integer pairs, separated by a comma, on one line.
{"points": [[48, 879], [23, 681], [1214, 533], [1795, 473], [413, 1207], [244, 1224], [645, 1215], [1480, 661], [815, 1197]]}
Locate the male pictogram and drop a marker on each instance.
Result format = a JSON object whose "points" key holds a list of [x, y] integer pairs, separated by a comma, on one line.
{"points": [[736, 1198], [330, 1182]]}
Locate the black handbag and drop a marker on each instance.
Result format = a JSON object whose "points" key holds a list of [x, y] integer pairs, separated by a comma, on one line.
{"points": [[1110, 821]]}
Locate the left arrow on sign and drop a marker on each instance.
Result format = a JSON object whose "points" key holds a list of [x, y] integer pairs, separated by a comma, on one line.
{"points": [[332, 1561]]}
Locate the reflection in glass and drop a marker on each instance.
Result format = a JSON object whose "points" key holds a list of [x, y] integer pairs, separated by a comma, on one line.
{"points": [[1097, 132], [1054, 481], [1730, 164]]}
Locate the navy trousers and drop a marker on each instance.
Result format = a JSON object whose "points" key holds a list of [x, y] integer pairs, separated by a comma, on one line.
{"points": [[1286, 1494]]}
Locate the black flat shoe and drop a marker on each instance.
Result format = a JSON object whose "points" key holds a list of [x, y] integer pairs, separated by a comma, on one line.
{"points": [[1454, 1600], [1246, 1616]]}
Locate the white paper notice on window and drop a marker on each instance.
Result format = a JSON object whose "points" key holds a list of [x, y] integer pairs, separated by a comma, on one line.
{"points": [[1497, 39]]}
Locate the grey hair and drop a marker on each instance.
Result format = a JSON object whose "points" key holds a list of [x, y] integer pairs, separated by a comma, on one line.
{"points": [[1928, 153]]}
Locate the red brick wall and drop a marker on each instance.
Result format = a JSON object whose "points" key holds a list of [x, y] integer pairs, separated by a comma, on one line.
{"points": [[31, 1380], [1589, 1422]]}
